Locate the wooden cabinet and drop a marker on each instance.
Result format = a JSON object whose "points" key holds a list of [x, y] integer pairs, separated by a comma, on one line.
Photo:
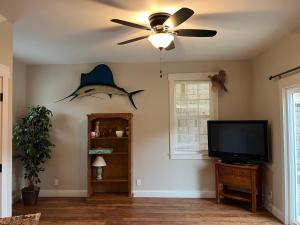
{"points": [[116, 175], [240, 182]]}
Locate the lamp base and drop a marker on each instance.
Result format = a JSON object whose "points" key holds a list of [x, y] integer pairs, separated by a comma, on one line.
{"points": [[99, 173]]}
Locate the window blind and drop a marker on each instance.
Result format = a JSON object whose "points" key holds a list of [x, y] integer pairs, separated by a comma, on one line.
{"points": [[192, 110]]}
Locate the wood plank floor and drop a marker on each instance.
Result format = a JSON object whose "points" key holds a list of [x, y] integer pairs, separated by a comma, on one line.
{"points": [[145, 211]]}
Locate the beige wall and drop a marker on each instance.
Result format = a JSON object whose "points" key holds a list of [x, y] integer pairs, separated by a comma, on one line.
{"points": [[48, 83], [19, 110], [6, 38], [266, 105], [19, 90]]}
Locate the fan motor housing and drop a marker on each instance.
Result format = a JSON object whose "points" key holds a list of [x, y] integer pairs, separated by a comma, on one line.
{"points": [[157, 19]]}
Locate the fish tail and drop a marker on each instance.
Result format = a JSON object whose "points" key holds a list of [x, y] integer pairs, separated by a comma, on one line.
{"points": [[130, 97]]}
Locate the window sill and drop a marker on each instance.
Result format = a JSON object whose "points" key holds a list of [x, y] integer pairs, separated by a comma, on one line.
{"points": [[190, 156]]}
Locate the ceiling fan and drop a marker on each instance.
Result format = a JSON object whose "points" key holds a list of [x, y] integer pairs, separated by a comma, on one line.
{"points": [[162, 28]]}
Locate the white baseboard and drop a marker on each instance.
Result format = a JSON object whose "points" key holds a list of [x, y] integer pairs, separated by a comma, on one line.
{"points": [[173, 194], [274, 210], [63, 193], [136, 193]]}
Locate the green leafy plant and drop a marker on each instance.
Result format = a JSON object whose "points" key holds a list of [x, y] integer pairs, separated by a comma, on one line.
{"points": [[31, 138]]}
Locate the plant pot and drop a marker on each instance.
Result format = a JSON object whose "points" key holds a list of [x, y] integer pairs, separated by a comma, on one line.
{"points": [[30, 196]]}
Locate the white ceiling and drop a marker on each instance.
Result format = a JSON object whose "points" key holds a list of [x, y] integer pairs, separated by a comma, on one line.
{"points": [[80, 31]]}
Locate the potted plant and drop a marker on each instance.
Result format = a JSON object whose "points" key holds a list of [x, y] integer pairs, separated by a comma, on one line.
{"points": [[31, 139]]}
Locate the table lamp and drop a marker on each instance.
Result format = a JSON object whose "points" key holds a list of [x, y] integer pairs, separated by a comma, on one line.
{"points": [[99, 163]]}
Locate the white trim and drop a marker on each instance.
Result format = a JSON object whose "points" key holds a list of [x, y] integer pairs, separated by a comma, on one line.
{"points": [[285, 164], [274, 211], [286, 159], [189, 76], [6, 148], [173, 194], [136, 193], [190, 156], [63, 193], [214, 110], [284, 86]]}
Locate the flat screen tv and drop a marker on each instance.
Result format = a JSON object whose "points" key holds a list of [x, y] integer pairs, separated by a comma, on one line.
{"points": [[238, 140]]}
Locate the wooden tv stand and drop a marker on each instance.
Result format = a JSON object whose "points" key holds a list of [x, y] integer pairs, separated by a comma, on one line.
{"points": [[239, 182]]}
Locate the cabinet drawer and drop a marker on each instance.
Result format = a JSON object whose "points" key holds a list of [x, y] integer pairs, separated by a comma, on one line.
{"points": [[240, 178]]}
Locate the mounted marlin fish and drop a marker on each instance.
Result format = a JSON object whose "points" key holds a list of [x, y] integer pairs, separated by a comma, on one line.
{"points": [[100, 80]]}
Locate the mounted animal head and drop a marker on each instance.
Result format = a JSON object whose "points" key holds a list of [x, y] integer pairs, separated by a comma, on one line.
{"points": [[218, 81]]}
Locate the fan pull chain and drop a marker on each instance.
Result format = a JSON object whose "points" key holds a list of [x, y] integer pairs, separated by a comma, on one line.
{"points": [[160, 70]]}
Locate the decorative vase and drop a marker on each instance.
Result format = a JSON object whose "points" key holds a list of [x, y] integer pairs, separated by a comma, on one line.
{"points": [[119, 133], [93, 134], [97, 129]]}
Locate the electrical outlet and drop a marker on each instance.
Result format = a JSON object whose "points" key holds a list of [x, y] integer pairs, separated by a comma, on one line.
{"points": [[56, 182], [138, 182]]}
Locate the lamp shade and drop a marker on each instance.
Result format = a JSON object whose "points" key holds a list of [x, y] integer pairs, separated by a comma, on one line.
{"points": [[99, 161], [161, 40]]}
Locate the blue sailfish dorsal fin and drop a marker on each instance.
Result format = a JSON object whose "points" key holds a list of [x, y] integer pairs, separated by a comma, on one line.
{"points": [[101, 74]]}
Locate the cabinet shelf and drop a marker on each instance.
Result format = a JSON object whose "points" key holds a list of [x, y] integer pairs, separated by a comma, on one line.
{"points": [[110, 180], [237, 195], [107, 197], [112, 154], [110, 138]]}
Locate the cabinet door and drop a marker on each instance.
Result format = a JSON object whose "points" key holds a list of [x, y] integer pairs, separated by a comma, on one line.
{"points": [[235, 177]]}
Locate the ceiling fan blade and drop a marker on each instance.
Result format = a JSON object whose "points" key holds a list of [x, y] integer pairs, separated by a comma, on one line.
{"points": [[133, 40], [129, 24], [178, 17], [171, 46], [195, 33]]}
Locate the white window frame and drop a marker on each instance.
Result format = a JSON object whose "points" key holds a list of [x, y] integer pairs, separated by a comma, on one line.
{"points": [[213, 106]]}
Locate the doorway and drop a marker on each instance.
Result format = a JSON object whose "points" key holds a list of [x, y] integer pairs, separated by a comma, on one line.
{"points": [[291, 124], [5, 143]]}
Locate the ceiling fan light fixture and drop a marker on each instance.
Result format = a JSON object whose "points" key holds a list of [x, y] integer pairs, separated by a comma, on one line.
{"points": [[161, 40]]}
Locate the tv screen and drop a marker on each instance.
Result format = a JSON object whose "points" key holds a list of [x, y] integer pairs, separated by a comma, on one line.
{"points": [[238, 140]]}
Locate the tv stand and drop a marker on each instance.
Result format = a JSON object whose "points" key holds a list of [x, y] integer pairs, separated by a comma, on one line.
{"points": [[239, 182], [241, 163]]}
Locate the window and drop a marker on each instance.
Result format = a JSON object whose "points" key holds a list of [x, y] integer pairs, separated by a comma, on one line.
{"points": [[192, 103]]}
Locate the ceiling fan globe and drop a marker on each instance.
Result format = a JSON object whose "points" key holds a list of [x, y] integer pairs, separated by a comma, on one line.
{"points": [[161, 40]]}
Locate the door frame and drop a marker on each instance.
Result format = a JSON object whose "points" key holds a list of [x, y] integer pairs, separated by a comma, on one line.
{"points": [[6, 178], [286, 87]]}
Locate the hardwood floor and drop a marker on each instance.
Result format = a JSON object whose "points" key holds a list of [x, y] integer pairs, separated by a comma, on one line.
{"points": [[145, 211]]}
